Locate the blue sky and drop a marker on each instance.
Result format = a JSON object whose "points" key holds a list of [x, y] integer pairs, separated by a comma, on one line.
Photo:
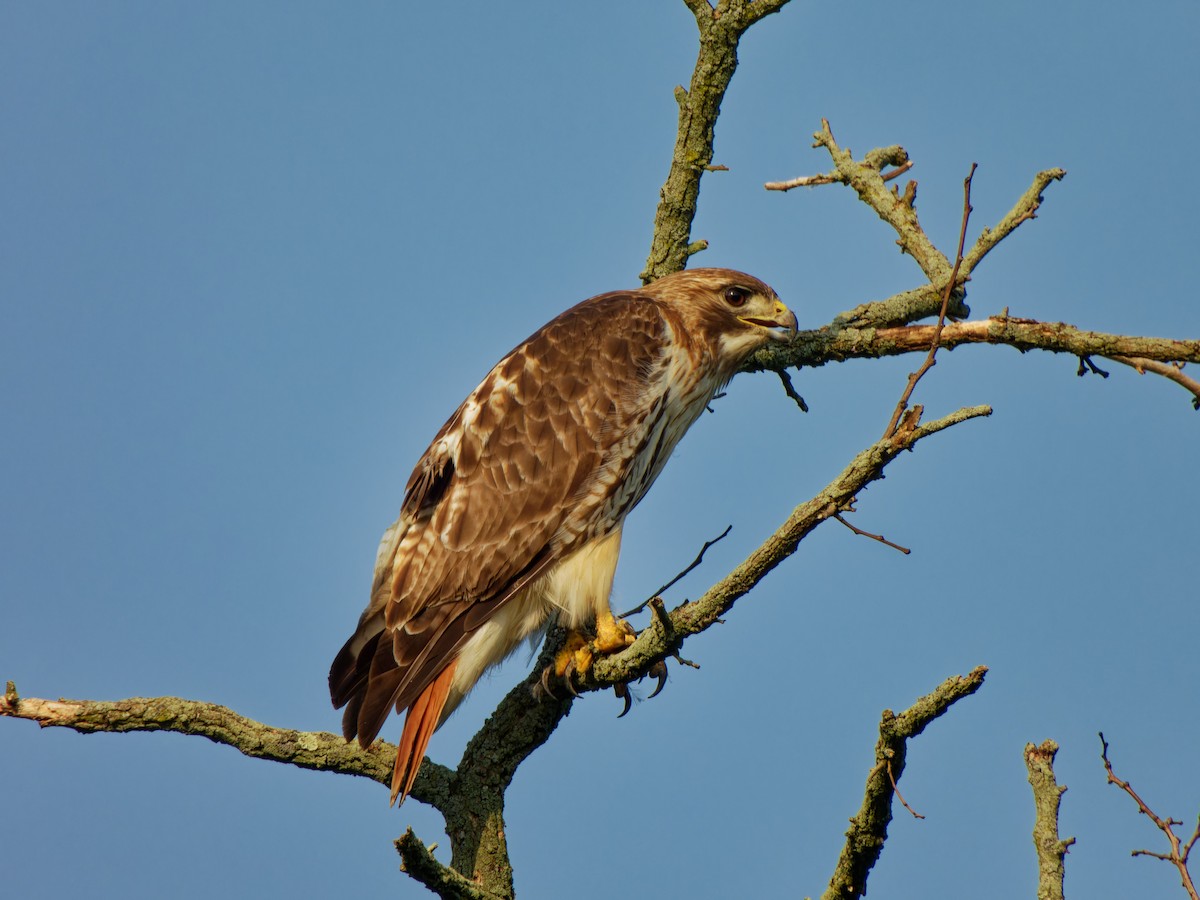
{"points": [[253, 255]]}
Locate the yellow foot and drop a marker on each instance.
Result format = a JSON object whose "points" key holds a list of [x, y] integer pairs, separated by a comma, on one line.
{"points": [[578, 653]]}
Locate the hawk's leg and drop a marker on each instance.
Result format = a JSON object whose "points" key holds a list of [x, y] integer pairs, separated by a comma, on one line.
{"points": [[578, 653], [612, 636]]}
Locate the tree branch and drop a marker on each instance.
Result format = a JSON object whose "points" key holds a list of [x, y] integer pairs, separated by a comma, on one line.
{"points": [[1047, 795], [868, 828], [1178, 857], [318, 750], [837, 344], [720, 31], [418, 861]]}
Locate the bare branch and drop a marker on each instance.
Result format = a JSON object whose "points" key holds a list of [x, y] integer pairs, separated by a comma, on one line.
{"points": [[1172, 371], [1047, 795], [888, 156], [875, 537], [899, 796], [931, 356], [868, 828], [836, 344], [1178, 857], [1025, 209], [790, 389], [318, 750], [896, 208], [418, 861], [720, 31], [690, 566]]}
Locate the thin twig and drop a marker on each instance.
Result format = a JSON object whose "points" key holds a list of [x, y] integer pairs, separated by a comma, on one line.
{"points": [[1178, 857], [695, 562], [900, 796], [1086, 365], [790, 389], [930, 358], [874, 537], [1172, 371]]}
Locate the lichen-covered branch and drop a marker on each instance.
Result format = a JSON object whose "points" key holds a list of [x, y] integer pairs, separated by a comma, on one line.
{"points": [[307, 749], [868, 828], [474, 813], [898, 208], [1162, 356], [1047, 795], [816, 348], [418, 861], [720, 28]]}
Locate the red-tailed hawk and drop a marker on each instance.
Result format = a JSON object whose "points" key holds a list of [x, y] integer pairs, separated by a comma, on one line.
{"points": [[514, 513]]}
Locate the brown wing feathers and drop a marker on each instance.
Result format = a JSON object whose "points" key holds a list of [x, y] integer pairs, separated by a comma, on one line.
{"points": [[493, 503]]}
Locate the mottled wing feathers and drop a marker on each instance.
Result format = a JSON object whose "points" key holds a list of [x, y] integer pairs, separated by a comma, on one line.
{"points": [[514, 480]]}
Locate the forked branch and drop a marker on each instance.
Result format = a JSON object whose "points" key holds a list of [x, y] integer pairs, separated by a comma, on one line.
{"points": [[868, 828], [1180, 849]]}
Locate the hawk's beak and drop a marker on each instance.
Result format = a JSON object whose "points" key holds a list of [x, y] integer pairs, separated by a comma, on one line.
{"points": [[780, 327]]}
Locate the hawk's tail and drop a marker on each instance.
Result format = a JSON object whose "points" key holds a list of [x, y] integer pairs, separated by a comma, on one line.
{"points": [[419, 725]]}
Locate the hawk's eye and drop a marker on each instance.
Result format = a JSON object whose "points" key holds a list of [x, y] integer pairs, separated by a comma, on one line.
{"points": [[736, 296]]}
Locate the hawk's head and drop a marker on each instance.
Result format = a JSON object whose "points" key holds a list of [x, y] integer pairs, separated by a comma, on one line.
{"points": [[730, 312]]}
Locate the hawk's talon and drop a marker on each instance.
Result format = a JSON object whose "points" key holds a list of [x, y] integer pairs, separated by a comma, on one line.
{"points": [[622, 691], [659, 671], [545, 682], [566, 677]]}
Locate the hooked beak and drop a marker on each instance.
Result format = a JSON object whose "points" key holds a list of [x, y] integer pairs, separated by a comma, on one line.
{"points": [[780, 327]]}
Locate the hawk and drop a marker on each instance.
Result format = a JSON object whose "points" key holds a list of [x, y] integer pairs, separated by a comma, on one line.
{"points": [[513, 516]]}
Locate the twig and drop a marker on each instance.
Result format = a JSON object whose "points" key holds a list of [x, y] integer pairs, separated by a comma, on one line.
{"points": [[1178, 857], [830, 178], [874, 537], [1172, 371], [899, 796], [1047, 796], [790, 389], [1086, 365], [935, 340], [670, 584]]}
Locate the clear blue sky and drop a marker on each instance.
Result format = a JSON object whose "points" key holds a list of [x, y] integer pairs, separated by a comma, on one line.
{"points": [[253, 254]]}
